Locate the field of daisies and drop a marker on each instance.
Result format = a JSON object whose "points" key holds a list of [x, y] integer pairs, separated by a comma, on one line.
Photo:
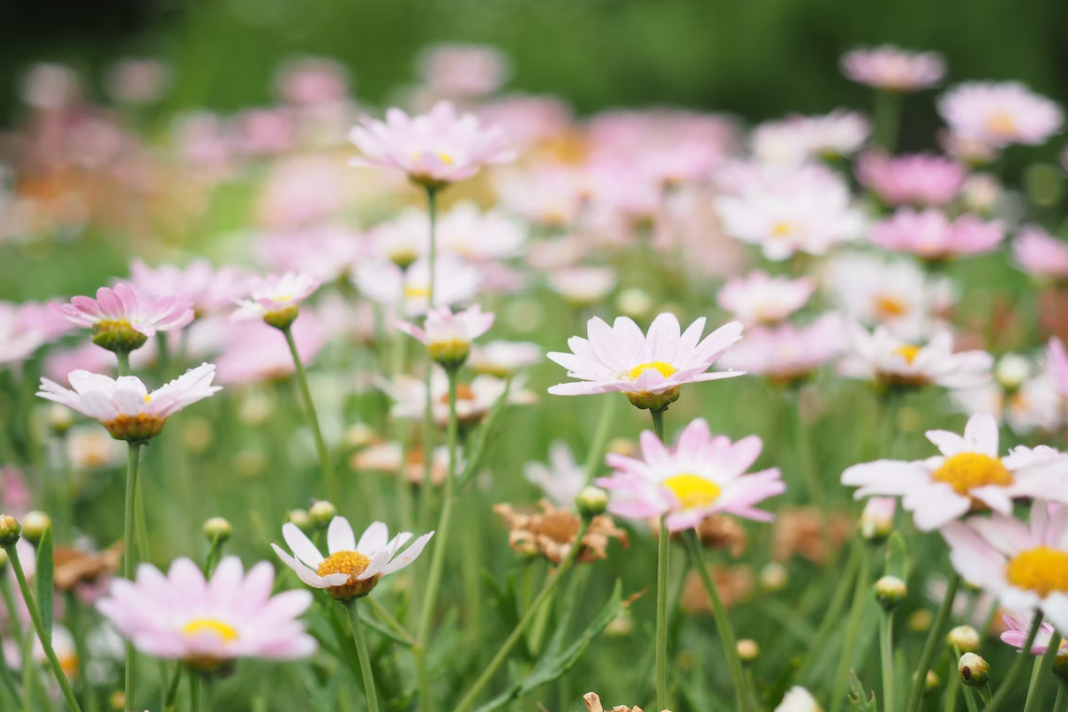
{"points": [[473, 404]]}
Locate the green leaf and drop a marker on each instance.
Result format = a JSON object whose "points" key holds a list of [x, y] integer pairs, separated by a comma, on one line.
{"points": [[858, 697], [897, 557], [45, 581], [476, 446]]}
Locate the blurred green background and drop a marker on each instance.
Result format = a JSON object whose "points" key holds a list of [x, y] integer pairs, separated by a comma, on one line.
{"points": [[759, 59]]}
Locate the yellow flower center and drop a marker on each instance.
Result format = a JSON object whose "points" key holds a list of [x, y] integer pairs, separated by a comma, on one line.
{"points": [[352, 563], [967, 470], [888, 307], [444, 157], [1042, 570], [412, 292], [284, 298], [693, 490], [782, 228], [200, 625], [907, 352], [666, 370], [1000, 122]]}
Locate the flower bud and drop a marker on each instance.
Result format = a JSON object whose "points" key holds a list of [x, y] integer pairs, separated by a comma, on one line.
{"points": [[34, 525], [964, 638], [890, 591], [217, 528], [774, 577], [591, 501], [920, 621], [60, 418], [359, 435], [320, 513], [634, 302], [9, 530], [877, 520], [117, 701], [621, 626], [974, 671], [1012, 371], [748, 650], [931, 682], [301, 518]]}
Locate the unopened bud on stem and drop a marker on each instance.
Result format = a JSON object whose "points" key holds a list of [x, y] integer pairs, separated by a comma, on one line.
{"points": [[10, 530], [321, 513], [964, 638], [890, 591], [974, 671], [34, 525], [591, 501], [217, 528], [748, 650]]}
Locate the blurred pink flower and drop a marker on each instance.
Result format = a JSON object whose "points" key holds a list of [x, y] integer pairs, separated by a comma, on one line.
{"points": [[50, 87], [892, 69], [301, 190], [969, 150], [1019, 627], [211, 290], [1040, 253], [311, 81], [1058, 365], [797, 139], [757, 297], [85, 357], [325, 252], [546, 194], [137, 81], [583, 285], [261, 132], [887, 360], [18, 340], [703, 475], [526, 119], [459, 71], [275, 296], [918, 179], [433, 149], [116, 311], [209, 623], [254, 352], [407, 291], [562, 479], [14, 494], [787, 353], [1000, 113], [930, 234], [444, 330]]}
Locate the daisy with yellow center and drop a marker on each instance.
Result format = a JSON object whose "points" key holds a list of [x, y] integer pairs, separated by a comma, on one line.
{"points": [[206, 624], [277, 298], [352, 568], [703, 475], [1024, 565], [969, 476], [649, 368], [892, 362]]}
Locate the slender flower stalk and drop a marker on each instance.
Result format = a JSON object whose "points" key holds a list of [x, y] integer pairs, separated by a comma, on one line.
{"points": [[1061, 703], [662, 560], [934, 639], [1043, 664], [953, 688], [38, 625], [194, 692], [129, 560], [365, 658], [723, 625], [886, 654], [124, 362], [861, 595], [524, 622], [1005, 688], [313, 419], [428, 413]]}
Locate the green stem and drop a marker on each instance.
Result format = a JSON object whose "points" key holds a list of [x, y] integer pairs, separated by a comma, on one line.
{"points": [[1061, 703], [124, 362], [662, 560], [194, 691], [313, 419], [365, 658], [887, 117], [658, 423], [719, 613], [934, 640], [595, 455], [1005, 688], [391, 622], [886, 652], [984, 695], [129, 560], [1036, 690], [953, 686], [428, 410], [437, 562], [38, 625], [861, 596], [546, 591], [833, 617]]}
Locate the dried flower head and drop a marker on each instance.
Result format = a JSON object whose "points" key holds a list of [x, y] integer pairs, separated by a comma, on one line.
{"points": [[551, 532], [75, 566], [734, 583], [798, 531]]}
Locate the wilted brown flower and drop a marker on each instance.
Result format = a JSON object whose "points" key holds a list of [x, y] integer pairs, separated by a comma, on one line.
{"points": [[75, 566], [719, 531], [593, 704], [734, 583], [552, 532], [798, 531]]}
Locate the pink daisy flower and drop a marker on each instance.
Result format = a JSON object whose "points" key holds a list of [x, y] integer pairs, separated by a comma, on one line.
{"points": [[120, 322], [562, 479], [1018, 630], [892, 362], [463, 71], [649, 369], [893, 69], [433, 149], [504, 358], [209, 289], [1000, 113], [1040, 253], [1058, 365], [448, 336], [407, 291], [181, 616], [353, 568], [930, 234], [918, 179], [787, 354], [703, 475], [758, 298], [124, 406], [1024, 565], [968, 476], [276, 299]]}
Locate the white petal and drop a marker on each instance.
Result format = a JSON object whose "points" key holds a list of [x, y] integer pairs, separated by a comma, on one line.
{"points": [[305, 574], [409, 554], [301, 545], [339, 536], [374, 539]]}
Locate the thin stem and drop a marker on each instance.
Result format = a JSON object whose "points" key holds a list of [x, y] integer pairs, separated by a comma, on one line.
{"points": [[365, 658], [1042, 665], [984, 695], [391, 622], [1061, 703], [38, 625], [124, 362], [1005, 688], [428, 410], [437, 562], [861, 596], [886, 652], [887, 118], [194, 692], [129, 560], [595, 455], [663, 558], [953, 686], [313, 419], [934, 639], [723, 625], [658, 422], [546, 591]]}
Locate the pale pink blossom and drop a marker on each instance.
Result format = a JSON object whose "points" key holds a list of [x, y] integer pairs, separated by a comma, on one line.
{"points": [[547, 194], [1058, 365], [970, 150], [138, 81], [208, 623], [463, 71], [265, 132], [787, 353], [49, 87], [312, 81], [1033, 405], [892, 69], [325, 252], [1040, 253], [1018, 629], [254, 352], [890, 361], [797, 139], [527, 119], [931, 234], [303, 190], [583, 285], [210, 289], [87, 356], [759, 298], [968, 476], [562, 479], [433, 149], [119, 308], [1000, 113], [18, 339], [479, 236], [443, 329], [918, 179], [504, 358], [473, 403], [407, 291], [275, 295], [703, 475]]}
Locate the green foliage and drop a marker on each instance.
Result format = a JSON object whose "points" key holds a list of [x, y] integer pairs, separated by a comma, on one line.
{"points": [[859, 698], [44, 580]]}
